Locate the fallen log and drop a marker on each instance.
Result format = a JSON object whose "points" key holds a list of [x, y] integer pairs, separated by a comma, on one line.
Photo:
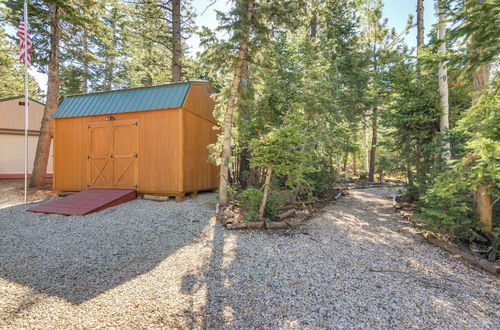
{"points": [[368, 186], [286, 214], [234, 220], [246, 225], [287, 207], [485, 265], [276, 225]]}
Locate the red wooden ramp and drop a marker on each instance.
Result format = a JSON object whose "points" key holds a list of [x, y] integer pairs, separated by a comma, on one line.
{"points": [[85, 202]]}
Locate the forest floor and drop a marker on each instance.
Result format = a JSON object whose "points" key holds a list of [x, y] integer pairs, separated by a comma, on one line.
{"points": [[355, 264]]}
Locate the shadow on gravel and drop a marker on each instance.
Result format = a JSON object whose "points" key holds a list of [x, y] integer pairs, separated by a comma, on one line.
{"points": [[267, 282], [78, 258]]}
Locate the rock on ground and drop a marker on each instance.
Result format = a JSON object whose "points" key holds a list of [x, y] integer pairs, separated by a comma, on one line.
{"points": [[357, 264]]}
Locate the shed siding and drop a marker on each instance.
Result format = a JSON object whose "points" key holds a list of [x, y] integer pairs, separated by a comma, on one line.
{"points": [[159, 150], [199, 174], [198, 101], [69, 155]]}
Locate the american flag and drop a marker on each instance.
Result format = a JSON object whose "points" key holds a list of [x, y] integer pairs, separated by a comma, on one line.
{"points": [[24, 35]]}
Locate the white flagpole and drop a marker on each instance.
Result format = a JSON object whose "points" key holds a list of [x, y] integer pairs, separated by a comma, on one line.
{"points": [[26, 102]]}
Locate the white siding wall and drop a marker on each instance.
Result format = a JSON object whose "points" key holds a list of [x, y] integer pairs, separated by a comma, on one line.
{"points": [[12, 154]]}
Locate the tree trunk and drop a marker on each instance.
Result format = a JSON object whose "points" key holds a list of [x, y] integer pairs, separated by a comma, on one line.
{"points": [[110, 57], [366, 154], [265, 194], [346, 158], [373, 150], [176, 41], [45, 138], [228, 118], [313, 25], [482, 200], [85, 64], [354, 164], [444, 124], [420, 25]]}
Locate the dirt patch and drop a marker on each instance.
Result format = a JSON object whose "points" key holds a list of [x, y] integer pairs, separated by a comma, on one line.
{"points": [[12, 192]]}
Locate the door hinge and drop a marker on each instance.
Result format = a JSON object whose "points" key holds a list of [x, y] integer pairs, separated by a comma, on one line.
{"points": [[135, 124], [135, 155], [135, 186], [88, 157]]}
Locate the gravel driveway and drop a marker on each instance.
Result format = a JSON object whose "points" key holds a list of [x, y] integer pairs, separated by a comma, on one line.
{"points": [[147, 264]]}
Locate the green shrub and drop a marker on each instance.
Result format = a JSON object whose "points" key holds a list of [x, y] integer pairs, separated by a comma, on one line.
{"points": [[250, 199], [447, 204], [250, 216]]}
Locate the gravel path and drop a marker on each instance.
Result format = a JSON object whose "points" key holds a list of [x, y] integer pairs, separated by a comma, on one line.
{"points": [[147, 264]]}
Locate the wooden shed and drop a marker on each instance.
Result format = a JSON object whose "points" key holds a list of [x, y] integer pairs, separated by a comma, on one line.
{"points": [[12, 136], [151, 139]]}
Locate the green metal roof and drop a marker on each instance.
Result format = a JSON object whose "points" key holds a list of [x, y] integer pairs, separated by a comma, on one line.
{"points": [[124, 100]]}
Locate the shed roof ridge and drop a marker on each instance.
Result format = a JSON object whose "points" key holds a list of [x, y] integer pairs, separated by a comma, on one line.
{"points": [[141, 87]]}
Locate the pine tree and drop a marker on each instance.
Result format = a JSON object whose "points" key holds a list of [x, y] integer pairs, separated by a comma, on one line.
{"points": [[245, 13], [381, 43], [47, 20]]}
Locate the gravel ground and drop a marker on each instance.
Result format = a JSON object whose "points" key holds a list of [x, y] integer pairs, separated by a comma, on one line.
{"points": [[148, 264]]}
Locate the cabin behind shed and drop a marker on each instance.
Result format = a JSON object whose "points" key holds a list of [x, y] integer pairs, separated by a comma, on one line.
{"points": [[12, 136], [151, 139]]}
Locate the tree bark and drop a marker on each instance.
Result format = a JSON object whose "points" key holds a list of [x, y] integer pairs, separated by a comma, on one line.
{"points": [[420, 25], [367, 156], [85, 64], [265, 194], [480, 77], [444, 124], [228, 118], [373, 150], [53, 83], [344, 166], [482, 200], [176, 41], [110, 56], [313, 25], [354, 164]]}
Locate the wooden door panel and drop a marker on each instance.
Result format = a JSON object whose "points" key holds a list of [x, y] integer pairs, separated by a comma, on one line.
{"points": [[112, 160], [100, 173], [124, 150], [99, 167], [124, 173]]}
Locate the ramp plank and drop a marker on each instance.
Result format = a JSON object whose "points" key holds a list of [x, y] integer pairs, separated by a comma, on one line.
{"points": [[85, 202]]}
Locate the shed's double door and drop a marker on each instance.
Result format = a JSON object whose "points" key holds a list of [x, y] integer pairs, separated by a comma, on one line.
{"points": [[112, 154]]}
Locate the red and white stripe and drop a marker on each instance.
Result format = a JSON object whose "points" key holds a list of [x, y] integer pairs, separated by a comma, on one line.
{"points": [[25, 46]]}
